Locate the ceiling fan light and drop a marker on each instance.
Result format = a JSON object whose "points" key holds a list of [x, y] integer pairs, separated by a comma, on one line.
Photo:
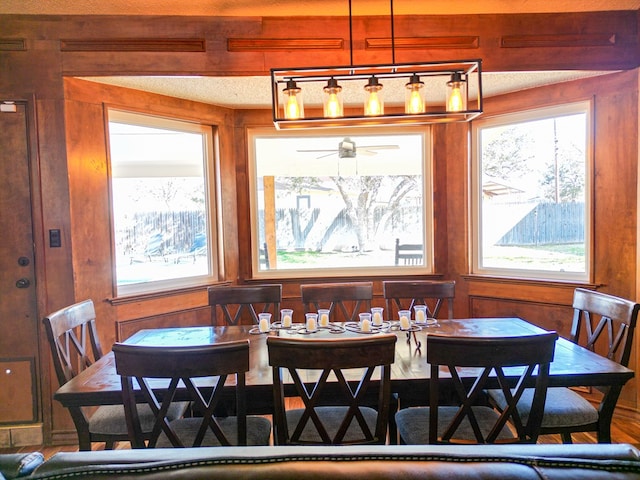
{"points": [[414, 95], [333, 107], [347, 148], [374, 103], [292, 99]]}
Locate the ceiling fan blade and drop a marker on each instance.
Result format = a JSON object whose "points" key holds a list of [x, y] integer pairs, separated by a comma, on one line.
{"points": [[328, 154], [378, 147], [372, 149], [316, 151], [366, 152]]}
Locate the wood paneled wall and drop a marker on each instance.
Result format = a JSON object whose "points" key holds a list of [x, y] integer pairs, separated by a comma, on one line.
{"points": [[40, 55]]}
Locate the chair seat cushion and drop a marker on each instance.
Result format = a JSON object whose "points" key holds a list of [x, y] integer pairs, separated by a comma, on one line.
{"points": [[258, 432], [413, 424], [332, 418], [110, 419], [563, 407]]}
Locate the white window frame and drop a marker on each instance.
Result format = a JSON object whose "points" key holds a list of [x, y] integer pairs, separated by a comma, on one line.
{"points": [[585, 107], [427, 192], [209, 167]]}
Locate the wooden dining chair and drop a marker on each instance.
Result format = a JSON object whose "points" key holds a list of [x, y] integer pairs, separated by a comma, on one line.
{"points": [[403, 295], [604, 324], [183, 369], [469, 363], [348, 417], [75, 345], [343, 300], [241, 304]]}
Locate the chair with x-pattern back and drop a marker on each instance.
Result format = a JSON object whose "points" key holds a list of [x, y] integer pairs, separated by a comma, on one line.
{"points": [[241, 304], [468, 364], [349, 417], [343, 300], [604, 324], [75, 345], [198, 373], [404, 295]]}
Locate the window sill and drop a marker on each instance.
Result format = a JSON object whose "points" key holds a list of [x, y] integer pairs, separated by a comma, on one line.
{"points": [[160, 294], [529, 281]]}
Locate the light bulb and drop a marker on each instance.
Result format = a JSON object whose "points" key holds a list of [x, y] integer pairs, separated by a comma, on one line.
{"points": [[414, 101], [333, 101], [293, 108], [454, 104], [456, 98], [373, 105], [332, 108]]}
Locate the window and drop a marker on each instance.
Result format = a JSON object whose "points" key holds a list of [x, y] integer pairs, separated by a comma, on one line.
{"points": [[531, 194], [339, 202], [161, 170]]}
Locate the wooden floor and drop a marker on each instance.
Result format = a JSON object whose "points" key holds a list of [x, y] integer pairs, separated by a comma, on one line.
{"points": [[624, 429]]}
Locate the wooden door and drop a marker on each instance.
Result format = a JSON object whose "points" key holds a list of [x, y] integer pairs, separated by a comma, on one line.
{"points": [[18, 309]]}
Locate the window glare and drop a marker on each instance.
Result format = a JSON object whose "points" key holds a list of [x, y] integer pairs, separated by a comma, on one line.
{"points": [[532, 194], [337, 201], [159, 201]]}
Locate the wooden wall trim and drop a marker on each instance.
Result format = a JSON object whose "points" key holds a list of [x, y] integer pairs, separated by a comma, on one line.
{"points": [[582, 40], [252, 45], [13, 44], [275, 44], [472, 41], [133, 45]]}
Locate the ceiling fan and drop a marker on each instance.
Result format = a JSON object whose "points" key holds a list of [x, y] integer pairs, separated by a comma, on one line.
{"points": [[347, 149]]}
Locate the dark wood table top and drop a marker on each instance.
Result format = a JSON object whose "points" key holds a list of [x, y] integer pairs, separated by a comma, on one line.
{"points": [[572, 366]]}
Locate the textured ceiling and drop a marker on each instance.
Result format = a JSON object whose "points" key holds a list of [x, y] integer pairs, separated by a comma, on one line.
{"points": [[305, 7], [255, 92]]}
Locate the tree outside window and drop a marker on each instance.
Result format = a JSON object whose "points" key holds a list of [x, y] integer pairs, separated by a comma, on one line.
{"points": [[531, 215], [362, 192]]}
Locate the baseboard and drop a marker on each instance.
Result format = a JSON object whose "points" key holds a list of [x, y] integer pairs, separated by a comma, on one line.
{"points": [[64, 437], [21, 435]]}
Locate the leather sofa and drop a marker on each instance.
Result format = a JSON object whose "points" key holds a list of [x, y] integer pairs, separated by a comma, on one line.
{"points": [[578, 461]]}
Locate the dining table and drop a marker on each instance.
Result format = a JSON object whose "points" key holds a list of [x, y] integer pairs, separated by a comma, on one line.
{"points": [[572, 366]]}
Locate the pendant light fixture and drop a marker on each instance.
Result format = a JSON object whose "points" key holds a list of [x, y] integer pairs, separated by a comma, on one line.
{"points": [[333, 107], [373, 104], [293, 105], [421, 85], [414, 95], [456, 93]]}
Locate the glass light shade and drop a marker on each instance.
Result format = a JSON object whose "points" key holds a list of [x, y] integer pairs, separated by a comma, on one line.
{"points": [[292, 101], [333, 107], [414, 96], [456, 93], [374, 103]]}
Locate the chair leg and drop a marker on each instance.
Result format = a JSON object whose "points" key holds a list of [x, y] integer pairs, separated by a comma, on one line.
{"points": [[604, 434], [566, 437], [393, 431], [109, 445], [84, 442], [393, 428]]}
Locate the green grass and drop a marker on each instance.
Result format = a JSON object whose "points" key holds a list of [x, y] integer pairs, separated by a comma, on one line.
{"points": [[568, 257], [567, 248]]}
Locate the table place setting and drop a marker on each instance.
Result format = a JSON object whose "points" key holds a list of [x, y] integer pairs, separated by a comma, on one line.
{"points": [[369, 322], [314, 322], [421, 317]]}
